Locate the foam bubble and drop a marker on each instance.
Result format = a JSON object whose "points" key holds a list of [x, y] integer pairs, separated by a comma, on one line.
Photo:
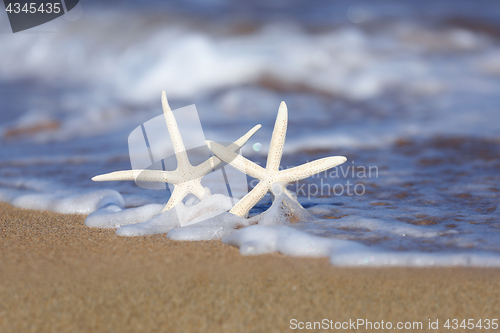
{"points": [[193, 212], [113, 216], [64, 202]]}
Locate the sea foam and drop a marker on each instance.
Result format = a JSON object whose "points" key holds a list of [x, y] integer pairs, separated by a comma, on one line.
{"points": [[64, 202], [275, 231]]}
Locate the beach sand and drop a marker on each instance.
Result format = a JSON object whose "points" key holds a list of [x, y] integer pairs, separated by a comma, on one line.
{"points": [[59, 276]]}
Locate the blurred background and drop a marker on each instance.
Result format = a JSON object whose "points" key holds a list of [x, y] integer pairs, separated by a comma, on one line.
{"points": [[411, 87]]}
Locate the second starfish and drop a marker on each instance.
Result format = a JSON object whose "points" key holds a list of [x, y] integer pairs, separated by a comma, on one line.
{"points": [[271, 178]]}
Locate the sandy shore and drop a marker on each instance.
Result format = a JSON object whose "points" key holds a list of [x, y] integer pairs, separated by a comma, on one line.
{"points": [[60, 276]]}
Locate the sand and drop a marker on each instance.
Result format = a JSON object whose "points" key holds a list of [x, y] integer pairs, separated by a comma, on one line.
{"points": [[59, 276]]}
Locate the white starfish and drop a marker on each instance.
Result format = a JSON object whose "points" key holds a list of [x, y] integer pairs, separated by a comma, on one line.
{"points": [[271, 178], [186, 178]]}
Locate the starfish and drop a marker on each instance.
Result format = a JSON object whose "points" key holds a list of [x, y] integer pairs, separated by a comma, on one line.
{"points": [[271, 178], [186, 178]]}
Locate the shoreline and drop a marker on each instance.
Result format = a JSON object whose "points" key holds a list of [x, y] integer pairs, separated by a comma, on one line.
{"points": [[58, 275]]}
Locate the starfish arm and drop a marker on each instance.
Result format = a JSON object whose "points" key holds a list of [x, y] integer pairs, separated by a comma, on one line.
{"points": [[177, 196], [206, 167], [277, 139], [236, 145], [143, 175], [197, 189], [213, 162], [174, 132], [250, 199], [236, 161], [309, 169]]}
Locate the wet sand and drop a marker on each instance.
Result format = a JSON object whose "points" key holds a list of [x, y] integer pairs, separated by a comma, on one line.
{"points": [[56, 275]]}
